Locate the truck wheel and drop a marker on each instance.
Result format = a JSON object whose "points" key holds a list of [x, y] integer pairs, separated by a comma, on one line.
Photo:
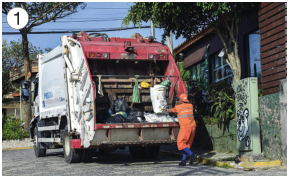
{"points": [[137, 152], [153, 151], [39, 152], [86, 155], [70, 155]]}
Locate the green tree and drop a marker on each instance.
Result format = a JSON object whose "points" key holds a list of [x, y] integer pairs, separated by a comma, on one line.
{"points": [[189, 18], [12, 57], [185, 74], [39, 13]]}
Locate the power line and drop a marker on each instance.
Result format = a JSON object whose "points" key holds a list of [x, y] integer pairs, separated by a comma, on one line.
{"points": [[105, 8], [86, 20], [76, 31]]}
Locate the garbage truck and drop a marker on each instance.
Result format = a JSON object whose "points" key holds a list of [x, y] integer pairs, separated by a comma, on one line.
{"points": [[79, 80]]}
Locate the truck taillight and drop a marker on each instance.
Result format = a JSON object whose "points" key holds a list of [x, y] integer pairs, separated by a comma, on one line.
{"points": [[104, 55], [98, 55], [151, 56], [91, 54], [157, 56], [162, 56]]}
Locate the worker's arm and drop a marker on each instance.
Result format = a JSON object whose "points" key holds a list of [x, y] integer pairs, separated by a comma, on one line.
{"points": [[174, 110]]}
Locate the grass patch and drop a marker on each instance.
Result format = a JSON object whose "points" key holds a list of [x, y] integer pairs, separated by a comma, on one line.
{"points": [[225, 165]]}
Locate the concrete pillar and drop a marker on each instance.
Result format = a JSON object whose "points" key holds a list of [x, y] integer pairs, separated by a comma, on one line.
{"points": [[283, 118], [152, 30], [170, 41]]}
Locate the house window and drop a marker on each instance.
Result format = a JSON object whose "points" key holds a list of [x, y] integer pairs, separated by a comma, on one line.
{"points": [[254, 54], [198, 73], [221, 69]]}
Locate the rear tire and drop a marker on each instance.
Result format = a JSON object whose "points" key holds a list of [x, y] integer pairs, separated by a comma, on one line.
{"points": [[39, 151], [70, 155]]}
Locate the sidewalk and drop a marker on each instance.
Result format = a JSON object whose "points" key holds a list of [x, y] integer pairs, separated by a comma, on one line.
{"points": [[214, 158]]}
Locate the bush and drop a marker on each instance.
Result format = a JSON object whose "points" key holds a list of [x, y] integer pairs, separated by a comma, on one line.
{"points": [[11, 128], [221, 96]]}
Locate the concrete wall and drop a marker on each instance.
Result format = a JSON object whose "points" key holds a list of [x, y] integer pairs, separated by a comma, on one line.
{"points": [[271, 126], [11, 111], [219, 137], [283, 117]]}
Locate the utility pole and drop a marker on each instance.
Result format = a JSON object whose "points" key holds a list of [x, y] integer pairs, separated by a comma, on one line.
{"points": [[152, 30], [170, 41]]}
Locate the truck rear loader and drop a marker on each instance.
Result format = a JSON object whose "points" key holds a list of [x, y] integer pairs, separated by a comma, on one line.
{"points": [[81, 77]]}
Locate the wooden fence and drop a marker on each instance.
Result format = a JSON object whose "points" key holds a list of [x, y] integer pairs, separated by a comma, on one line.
{"points": [[273, 43]]}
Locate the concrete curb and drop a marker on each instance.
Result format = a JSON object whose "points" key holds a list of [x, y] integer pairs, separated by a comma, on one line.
{"points": [[207, 161], [12, 144]]}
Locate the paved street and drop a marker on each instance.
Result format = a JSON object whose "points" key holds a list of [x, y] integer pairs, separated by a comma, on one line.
{"points": [[118, 163]]}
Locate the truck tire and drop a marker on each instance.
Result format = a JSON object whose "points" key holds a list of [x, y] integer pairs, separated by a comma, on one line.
{"points": [[39, 151], [70, 155], [86, 155], [137, 152], [153, 151]]}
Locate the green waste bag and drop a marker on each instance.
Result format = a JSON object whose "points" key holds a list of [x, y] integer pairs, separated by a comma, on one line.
{"points": [[136, 95], [166, 83]]}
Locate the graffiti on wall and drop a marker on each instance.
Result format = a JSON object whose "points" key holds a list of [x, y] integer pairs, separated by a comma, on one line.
{"points": [[241, 95], [242, 123], [242, 114]]}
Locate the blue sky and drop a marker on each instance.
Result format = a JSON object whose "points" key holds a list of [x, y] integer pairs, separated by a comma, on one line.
{"points": [[89, 13]]}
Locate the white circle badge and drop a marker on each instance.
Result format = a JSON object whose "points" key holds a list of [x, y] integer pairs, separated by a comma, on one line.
{"points": [[17, 18]]}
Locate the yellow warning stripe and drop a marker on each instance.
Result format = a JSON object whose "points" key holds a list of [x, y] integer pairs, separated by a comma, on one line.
{"points": [[10, 149]]}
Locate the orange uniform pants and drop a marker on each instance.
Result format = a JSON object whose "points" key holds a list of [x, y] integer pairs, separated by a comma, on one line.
{"points": [[186, 137]]}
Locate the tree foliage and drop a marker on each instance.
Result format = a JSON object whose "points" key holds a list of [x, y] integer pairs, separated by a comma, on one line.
{"points": [[12, 57], [43, 12], [189, 18], [39, 13], [185, 74]]}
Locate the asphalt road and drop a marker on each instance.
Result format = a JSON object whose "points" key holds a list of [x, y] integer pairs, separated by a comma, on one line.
{"points": [[118, 163]]}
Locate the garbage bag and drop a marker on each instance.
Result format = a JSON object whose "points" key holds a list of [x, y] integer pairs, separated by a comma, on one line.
{"points": [[135, 112], [123, 114], [118, 118], [144, 84], [119, 105], [158, 98], [159, 118], [101, 116], [136, 94], [166, 83]]}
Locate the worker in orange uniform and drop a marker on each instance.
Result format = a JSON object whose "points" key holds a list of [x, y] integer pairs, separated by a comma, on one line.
{"points": [[187, 127]]}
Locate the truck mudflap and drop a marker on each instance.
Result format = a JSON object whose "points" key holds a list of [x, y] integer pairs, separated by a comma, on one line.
{"points": [[131, 134]]}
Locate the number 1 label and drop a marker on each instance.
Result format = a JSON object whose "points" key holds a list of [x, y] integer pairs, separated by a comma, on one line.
{"points": [[13, 18]]}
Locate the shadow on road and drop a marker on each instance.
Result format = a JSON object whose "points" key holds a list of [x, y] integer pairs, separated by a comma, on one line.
{"points": [[119, 157]]}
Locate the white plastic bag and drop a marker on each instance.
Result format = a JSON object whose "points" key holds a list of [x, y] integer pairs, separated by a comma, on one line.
{"points": [[159, 118], [158, 98]]}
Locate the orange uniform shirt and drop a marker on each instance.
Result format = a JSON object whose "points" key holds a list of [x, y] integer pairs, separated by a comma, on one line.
{"points": [[185, 115]]}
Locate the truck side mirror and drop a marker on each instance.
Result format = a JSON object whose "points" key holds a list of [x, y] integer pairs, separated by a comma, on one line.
{"points": [[25, 85]]}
